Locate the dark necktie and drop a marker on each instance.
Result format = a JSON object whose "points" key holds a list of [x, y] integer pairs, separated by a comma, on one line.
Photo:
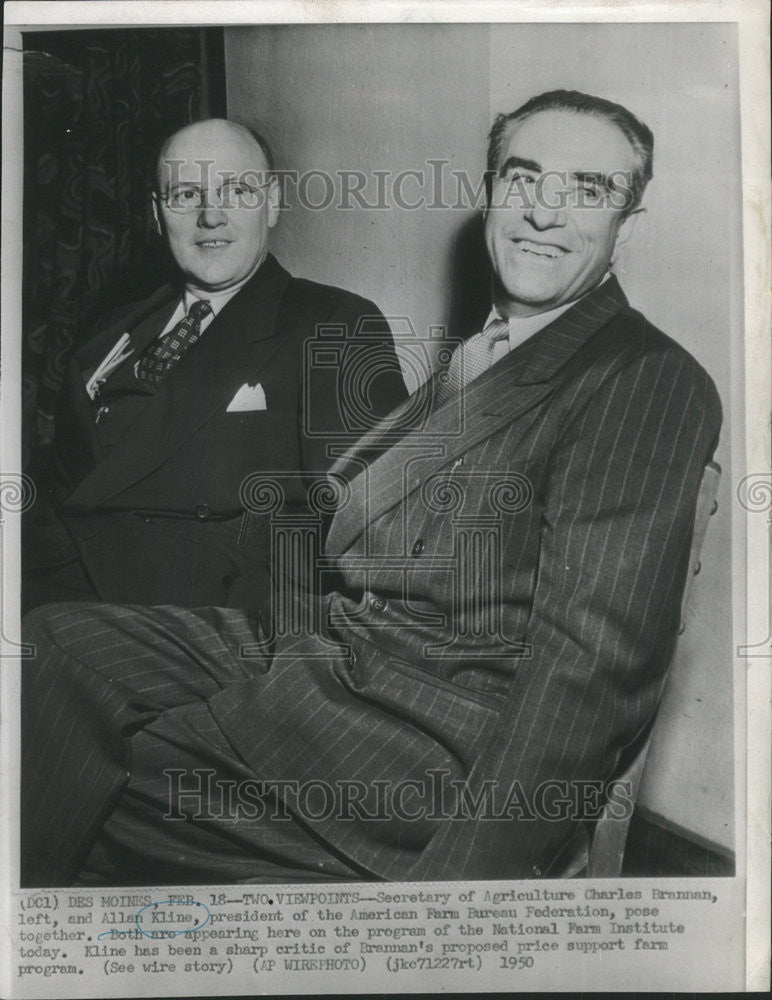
{"points": [[470, 360], [158, 359]]}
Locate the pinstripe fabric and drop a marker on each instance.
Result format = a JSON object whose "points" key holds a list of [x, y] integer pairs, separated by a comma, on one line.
{"points": [[183, 749], [121, 699], [94, 681], [604, 425]]}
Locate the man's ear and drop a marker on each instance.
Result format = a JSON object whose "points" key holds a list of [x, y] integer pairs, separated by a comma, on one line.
{"points": [[625, 231], [273, 192], [156, 213], [488, 177]]}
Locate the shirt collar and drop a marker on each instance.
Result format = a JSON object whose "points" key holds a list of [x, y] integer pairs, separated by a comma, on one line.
{"points": [[523, 327], [217, 300]]}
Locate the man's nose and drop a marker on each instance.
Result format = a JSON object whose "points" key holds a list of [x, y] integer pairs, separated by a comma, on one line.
{"points": [[547, 207], [210, 216]]}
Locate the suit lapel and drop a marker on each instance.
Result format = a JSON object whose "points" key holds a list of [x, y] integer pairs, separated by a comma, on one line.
{"points": [[76, 422], [507, 391], [205, 380], [447, 433], [142, 323], [410, 414]]}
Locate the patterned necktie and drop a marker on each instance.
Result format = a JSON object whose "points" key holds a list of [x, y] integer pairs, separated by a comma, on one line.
{"points": [[158, 359], [470, 360]]}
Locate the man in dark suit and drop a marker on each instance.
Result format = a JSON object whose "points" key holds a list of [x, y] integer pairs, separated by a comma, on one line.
{"points": [[510, 552], [177, 399]]}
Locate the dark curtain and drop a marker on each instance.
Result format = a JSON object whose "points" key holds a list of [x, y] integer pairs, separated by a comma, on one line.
{"points": [[97, 105]]}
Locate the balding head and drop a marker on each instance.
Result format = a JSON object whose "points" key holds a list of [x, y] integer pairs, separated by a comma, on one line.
{"points": [[213, 130]]}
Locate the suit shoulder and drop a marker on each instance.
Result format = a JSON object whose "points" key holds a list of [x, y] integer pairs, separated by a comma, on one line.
{"points": [[630, 355], [118, 313], [632, 328], [322, 297], [114, 315], [629, 338]]}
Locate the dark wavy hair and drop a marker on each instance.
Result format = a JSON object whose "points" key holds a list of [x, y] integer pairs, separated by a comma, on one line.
{"points": [[638, 135]]}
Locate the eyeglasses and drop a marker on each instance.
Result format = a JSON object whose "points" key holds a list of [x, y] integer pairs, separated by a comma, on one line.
{"points": [[232, 194]]}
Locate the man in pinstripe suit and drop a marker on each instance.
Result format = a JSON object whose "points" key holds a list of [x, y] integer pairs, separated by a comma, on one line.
{"points": [[508, 567]]}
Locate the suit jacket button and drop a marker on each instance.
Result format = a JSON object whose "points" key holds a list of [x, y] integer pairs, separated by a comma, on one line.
{"points": [[378, 604], [538, 871], [352, 659], [418, 547], [203, 512]]}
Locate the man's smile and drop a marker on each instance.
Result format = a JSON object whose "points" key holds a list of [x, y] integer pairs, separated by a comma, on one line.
{"points": [[547, 250]]}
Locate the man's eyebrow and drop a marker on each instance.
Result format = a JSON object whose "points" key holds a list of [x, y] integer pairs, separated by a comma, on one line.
{"points": [[594, 177], [517, 161]]}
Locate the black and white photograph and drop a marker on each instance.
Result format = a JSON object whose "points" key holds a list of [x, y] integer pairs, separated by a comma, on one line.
{"points": [[384, 509]]}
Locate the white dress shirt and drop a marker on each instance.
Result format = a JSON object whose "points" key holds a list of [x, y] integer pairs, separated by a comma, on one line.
{"points": [[217, 301], [523, 327]]}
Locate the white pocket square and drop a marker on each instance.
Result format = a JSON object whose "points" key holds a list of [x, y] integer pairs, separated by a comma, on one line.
{"points": [[249, 397]]}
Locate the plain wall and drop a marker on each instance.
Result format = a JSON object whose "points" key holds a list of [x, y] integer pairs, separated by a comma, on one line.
{"points": [[338, 98], [392, 97]]}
